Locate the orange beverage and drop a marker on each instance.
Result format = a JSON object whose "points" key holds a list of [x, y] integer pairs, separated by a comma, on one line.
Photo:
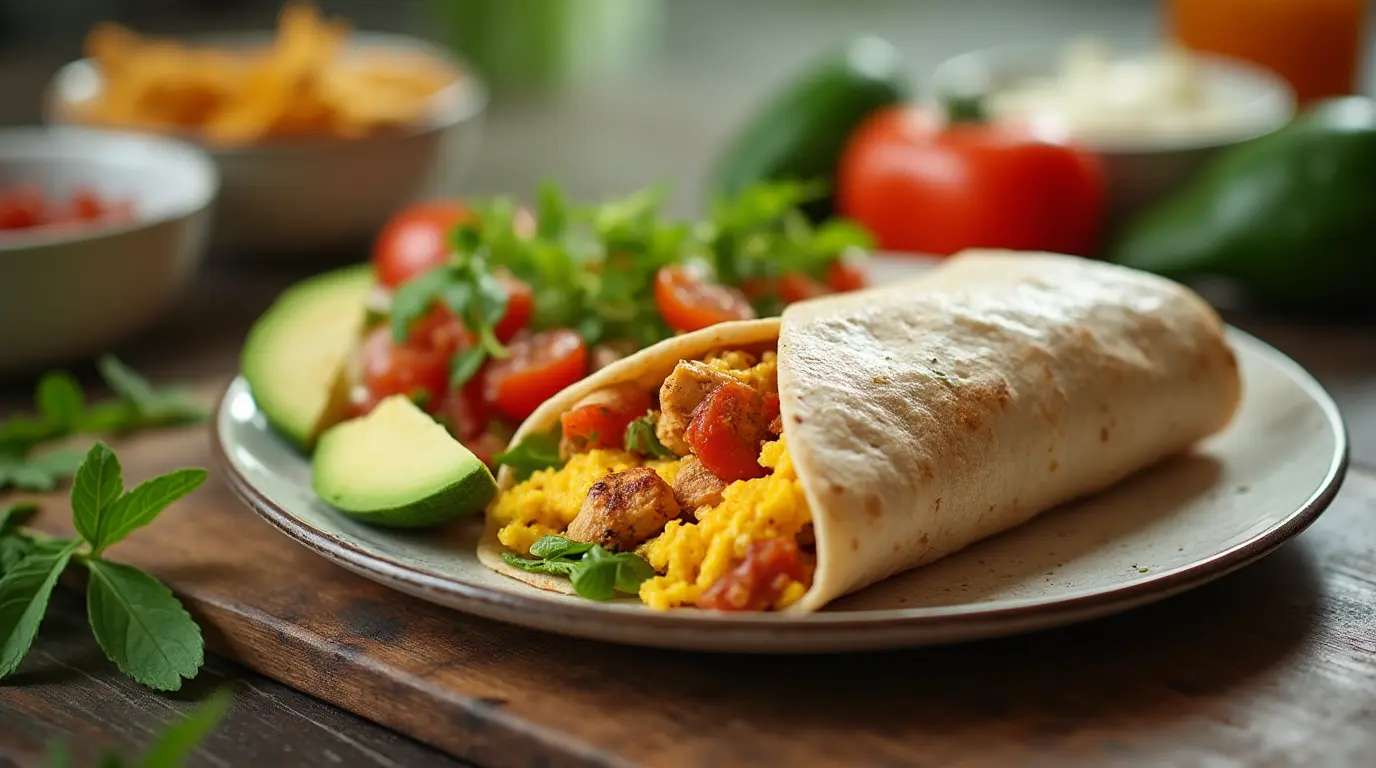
{"points": [[1314, 44]]}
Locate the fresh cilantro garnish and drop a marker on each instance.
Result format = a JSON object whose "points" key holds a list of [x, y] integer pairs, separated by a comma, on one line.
{"points": [[468, 288], [534, 453], [641, 438], [62, 413], [137, 621], [595, 573]]}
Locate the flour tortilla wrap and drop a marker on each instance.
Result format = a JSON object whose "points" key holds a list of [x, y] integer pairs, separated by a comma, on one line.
{"points": [[925, 416]]}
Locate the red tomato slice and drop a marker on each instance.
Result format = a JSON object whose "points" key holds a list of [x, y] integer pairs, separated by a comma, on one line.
{"points": [[539, 367], [601, 421], [688, 303], [464, 411], [520, 303], [389, 369], [725, 432], [416, 240], [842, 276]]}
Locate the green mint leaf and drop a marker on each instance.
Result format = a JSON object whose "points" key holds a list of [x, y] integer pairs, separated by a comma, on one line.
{"points": [[14, 547], [631, 571], [534, 453], [40, 473], [24, 593], [594, 577], [466, 365], [141, 505], [180, 739], [20, 433], [59, 755], [98, 485], [414, 298], [141, 625], [112, 417], [555, 547], [12, 516], [640, 438], [144, 406], [555, 567], [60, 399]]}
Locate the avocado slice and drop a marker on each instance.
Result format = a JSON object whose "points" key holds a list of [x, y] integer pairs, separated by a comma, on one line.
{"points": [[397, 467], [294, 355]]}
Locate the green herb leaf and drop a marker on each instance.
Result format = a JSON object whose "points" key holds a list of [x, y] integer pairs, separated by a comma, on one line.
{"points": [[180, 739], [534, 453], [641, 438], [594, 577], [413, 299], [60, 400], [24, 593], [98, 485], [631, 571], [140, 506], [555, 567], [555, 547], [12, 516], [551, 211], [40, 473], [141, 625], [466, 365], [145, 406], [15, 545]]}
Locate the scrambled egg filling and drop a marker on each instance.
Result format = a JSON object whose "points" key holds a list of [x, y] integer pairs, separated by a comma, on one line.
{"points": [[692, 556], [547, 502], [688, 556]]}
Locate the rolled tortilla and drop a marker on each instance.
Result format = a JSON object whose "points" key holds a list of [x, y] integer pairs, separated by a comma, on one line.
{"points": [[925, 416]]}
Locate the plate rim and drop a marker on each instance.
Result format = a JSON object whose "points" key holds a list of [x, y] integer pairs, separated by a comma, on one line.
{"points": [[967, 619]]}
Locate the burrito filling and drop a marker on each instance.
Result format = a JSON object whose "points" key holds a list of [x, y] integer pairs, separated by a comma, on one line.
{"points": [[690, 490]]}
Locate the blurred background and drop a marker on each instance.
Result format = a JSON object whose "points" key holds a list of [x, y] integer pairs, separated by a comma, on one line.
{"points": [[639, 90]]}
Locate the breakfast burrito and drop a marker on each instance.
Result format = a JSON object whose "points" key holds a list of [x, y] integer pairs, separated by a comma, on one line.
{"points": [[779, 464]]}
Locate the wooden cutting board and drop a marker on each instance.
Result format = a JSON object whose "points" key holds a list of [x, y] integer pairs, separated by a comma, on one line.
{"points": [[1275, 664]]}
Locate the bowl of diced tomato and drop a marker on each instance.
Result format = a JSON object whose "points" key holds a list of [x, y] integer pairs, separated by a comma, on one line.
{"points": [[99, 233], [483, 310]]}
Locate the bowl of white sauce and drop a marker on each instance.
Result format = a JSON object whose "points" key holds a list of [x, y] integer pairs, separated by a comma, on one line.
{"points": [[1154, 118]]}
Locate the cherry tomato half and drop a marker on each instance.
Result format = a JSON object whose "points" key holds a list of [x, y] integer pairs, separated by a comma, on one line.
{"points": [[392, 369], [463, 410], [416, 240], [688, 303], [540, 365], [520, 302]]}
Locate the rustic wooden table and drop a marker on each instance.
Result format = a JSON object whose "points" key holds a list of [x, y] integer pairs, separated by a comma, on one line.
{"points": [[1275, 665]]}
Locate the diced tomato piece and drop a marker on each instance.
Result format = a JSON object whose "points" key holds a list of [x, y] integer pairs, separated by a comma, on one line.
{"points": [[773, 420], [392, 369], [601, 418], [845, 276], [22, 207], [85, 205], [688, 303], [464, 411], [725, 432], [540, 365], [438, 330], [520, 302], [770, 565], [797, 287]]}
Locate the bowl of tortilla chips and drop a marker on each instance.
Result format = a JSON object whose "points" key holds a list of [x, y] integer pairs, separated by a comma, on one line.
{"points": [[320, 132]]}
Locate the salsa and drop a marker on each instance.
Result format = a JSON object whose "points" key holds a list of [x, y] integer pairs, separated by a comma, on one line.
{"points": [[26, 207], [486, 309]]}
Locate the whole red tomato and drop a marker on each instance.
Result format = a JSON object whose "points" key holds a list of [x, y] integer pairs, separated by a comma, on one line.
{"points": [[922, 184]]}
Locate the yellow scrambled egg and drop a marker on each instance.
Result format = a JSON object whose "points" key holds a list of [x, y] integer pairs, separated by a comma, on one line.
{"points": [[692, 556], [689, 557], [548, 501], [761, 373]]}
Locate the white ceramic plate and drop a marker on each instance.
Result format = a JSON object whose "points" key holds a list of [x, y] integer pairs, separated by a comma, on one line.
{"points": [[1188, 521]]}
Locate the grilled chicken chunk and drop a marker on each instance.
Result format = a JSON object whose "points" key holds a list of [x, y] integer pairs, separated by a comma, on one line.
{"points": [[695, 486], [683, 391], [624, 509]]}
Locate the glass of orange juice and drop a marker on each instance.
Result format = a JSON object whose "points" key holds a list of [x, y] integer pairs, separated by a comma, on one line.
{"points": [[1316, 45]]}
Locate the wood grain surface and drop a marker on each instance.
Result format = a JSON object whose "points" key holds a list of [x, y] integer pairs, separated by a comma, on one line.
{"points": [[1273, 665]]}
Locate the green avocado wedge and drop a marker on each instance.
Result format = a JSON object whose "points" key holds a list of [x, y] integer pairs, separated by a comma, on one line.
{"points": [[294, 355], [398, 468], [800, 133]]}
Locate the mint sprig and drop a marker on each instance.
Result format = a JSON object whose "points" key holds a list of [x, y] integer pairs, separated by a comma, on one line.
{"points": [[137, 621], [595, 573], [62, 412]]}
